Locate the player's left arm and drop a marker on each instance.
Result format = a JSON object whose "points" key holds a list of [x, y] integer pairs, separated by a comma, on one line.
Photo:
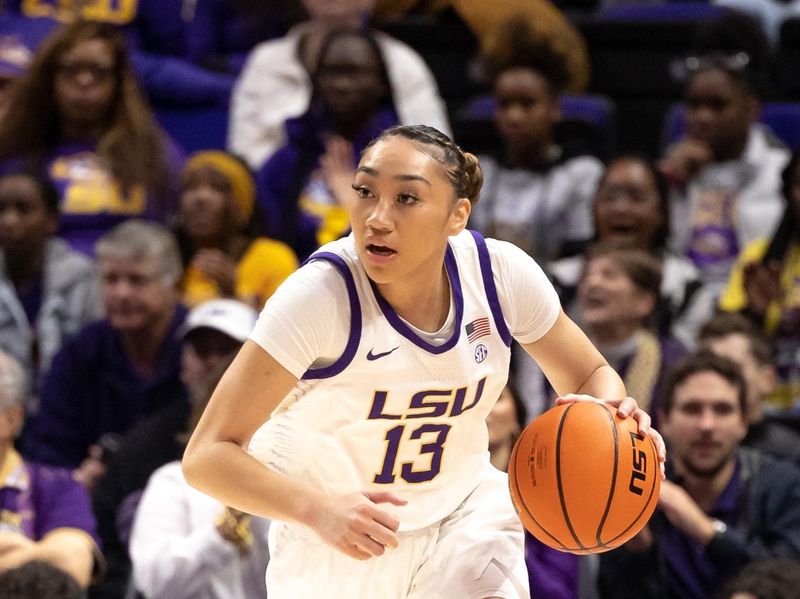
{"points": [[578, 372]]}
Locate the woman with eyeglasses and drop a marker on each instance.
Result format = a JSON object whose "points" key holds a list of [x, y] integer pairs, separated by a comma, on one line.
{"points": [[79, 115], [631, 211]]}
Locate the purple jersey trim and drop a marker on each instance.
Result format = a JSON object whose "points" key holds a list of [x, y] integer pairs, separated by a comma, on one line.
{"points": [[355, 320], [491, 291], [407, 332]]}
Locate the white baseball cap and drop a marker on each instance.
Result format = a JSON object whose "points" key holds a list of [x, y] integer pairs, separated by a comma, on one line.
{"points": [[227, 316]]}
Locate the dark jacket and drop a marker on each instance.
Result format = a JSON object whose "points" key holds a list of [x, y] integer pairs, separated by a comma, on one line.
{"points": [[92, 390], [149, 445], [767, 524]]}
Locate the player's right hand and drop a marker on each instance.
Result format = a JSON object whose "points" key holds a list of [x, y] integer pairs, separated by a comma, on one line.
{"points": [[356, 526]]}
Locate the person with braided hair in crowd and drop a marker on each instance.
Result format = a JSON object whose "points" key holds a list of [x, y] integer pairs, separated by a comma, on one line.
{"points": [[355, 415]]}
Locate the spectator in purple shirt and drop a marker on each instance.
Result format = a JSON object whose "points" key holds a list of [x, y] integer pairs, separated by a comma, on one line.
{"points": [[304, 187], [115, 371], [80, 115], [44, 513]]}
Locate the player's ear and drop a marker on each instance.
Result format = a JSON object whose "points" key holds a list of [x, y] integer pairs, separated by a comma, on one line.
{"points": [[459, 215]]}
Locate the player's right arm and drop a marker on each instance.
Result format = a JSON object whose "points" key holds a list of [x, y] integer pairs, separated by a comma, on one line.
{"points": [[217, 463]]}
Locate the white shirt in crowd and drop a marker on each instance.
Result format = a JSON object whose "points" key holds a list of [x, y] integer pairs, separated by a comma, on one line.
{"points": [[274, 86], [538, 211], [177, 552]]}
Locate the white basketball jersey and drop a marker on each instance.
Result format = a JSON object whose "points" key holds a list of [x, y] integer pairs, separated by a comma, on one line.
{"points": [[395, 413]]}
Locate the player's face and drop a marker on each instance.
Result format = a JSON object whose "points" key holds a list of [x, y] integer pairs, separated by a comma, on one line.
{"points": [[719, 111], [626, 205], [609, 297], [403, 211], [134, 294], [350, 79], [25, 223], [527, 110], [207, 210], [759, 377], [705, 425], [85, 82]]}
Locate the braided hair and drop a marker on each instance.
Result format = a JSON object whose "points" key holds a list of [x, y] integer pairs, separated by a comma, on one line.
{"points": [[463, 168]]}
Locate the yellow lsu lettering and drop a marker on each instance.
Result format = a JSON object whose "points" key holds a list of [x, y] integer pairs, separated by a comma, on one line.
{"points": [[430, 403], [81, 198], [119, 12]]}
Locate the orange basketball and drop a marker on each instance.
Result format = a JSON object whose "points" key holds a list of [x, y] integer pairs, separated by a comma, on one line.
{"points": [[582, 479]]}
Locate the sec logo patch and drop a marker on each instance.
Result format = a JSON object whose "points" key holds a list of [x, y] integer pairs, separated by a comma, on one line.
{"points": [[480, 353]]}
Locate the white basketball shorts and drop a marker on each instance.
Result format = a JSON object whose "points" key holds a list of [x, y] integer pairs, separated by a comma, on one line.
{"points": [[476, 552]]}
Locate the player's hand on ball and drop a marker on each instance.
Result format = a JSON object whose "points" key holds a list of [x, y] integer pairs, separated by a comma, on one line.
{"points": [[627, 407], [356, 526]]}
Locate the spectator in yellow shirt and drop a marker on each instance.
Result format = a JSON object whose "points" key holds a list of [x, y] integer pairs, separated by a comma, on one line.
{"points": [[765, 285], [223, 254]]}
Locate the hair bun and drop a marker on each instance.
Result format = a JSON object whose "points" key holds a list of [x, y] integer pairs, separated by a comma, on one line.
{"points": [[474, 177]]}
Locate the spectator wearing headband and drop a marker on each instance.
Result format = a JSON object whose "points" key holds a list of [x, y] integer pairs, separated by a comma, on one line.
{"points": [[221, 248]]}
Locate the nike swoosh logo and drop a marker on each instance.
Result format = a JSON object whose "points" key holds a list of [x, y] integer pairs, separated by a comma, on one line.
{"points": [[371, 356]]}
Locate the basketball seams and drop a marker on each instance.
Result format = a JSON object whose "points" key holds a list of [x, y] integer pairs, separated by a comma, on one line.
{"points": [[562, 471], [613, 478], [519, 497], [561, 498]]}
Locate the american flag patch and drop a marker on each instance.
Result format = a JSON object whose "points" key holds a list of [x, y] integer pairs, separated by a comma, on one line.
{"points": [[478, 328]]}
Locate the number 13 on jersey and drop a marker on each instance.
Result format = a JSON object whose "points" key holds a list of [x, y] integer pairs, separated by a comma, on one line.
{"points": [[431, 437], [394, 436]]}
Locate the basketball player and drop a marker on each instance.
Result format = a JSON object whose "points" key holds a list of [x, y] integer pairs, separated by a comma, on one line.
{"points": [[363, 392]]}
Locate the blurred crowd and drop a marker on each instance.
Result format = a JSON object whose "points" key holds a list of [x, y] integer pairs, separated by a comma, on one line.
{"points": [[135, 255]]}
